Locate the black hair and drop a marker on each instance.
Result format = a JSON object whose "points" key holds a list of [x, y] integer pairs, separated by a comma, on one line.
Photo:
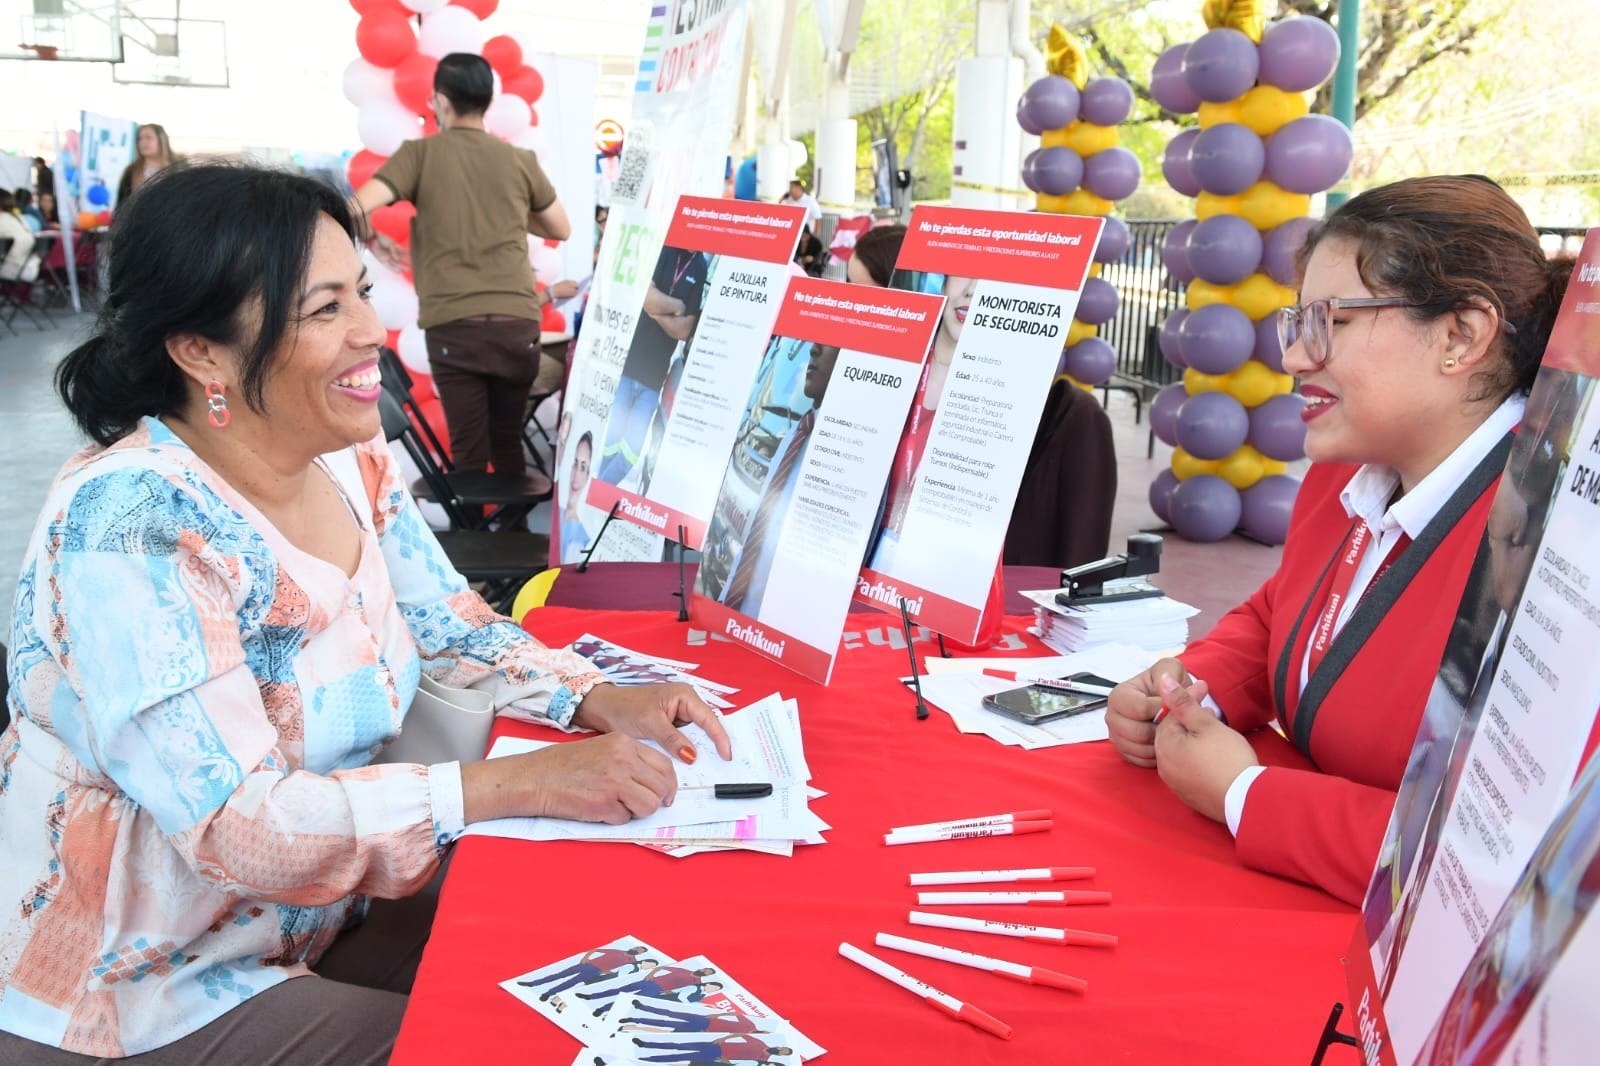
{"points": [[587, 438], [24, 198], [466, 81], [8, 201], [217, 251]]}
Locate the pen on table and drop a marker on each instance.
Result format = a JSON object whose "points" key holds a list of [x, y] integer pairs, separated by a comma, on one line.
{"points": [[737, 790], [1034, 975], [930, 835], [976, 821], [1058, 683], [932, 996], [973, 877], [1045, 934], [1031, 899]]}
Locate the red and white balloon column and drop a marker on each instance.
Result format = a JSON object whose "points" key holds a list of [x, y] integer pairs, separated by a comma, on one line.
{"points": [[391, 83], [1252, 164], [1078, 169]]}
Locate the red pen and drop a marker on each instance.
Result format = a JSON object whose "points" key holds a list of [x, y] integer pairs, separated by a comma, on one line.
{"points": [[975, 821], [1056, 683], [1043, 934], [924, 836], [1031, 899], [930, 995], [1033, 975], [973, 877]]}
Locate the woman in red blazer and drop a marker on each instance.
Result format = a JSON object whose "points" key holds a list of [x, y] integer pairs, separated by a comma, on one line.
{"points": [[1425, 309]]}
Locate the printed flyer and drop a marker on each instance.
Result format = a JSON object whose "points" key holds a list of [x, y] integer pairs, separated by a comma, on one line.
{"points": [[1011, 283], [683, 114], [1511, 713], [801, 491], [708, 310]]}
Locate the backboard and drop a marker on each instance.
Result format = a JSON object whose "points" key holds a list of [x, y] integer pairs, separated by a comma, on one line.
{"points": [[87, 31], [173, 51]]}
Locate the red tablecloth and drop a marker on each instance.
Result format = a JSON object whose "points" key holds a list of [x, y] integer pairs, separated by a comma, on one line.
{"points": [[1216, 963]]}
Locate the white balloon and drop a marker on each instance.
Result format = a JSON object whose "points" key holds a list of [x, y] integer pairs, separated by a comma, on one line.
{"points": [[507, 117], [546, 262], [384, 125], [364, 82], [450, 29], [422, 7], [395, 301], [412, 348]]}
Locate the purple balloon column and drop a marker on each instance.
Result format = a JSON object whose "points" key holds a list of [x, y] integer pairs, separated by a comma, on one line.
{"points": [[1254, 159]]}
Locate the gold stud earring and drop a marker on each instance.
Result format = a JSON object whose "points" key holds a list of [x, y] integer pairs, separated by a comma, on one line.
{"points": [[1450, 364]]}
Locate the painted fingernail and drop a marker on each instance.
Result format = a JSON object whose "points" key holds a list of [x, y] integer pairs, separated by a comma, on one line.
{"points": [[688, 754]]}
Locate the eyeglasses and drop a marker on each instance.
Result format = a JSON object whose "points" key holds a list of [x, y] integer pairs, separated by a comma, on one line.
{"points": [[1311, 325]]}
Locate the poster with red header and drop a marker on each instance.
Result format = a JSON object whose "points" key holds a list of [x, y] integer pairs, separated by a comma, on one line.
{"points": [[708, 310], [1512, 713], [801, 490], [1011, 283]]}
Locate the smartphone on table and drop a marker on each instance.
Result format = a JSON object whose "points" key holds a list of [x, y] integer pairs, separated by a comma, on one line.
{"points": [[1037, 704]]}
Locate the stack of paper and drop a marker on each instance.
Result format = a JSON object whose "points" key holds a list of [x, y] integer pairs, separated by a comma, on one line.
{"points": [[624, 666], [958, 686], [1156, 623], [629, 1003], [766, 749]]}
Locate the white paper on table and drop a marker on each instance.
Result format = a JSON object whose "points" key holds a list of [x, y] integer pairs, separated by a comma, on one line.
{"points": [[562, 1007]]}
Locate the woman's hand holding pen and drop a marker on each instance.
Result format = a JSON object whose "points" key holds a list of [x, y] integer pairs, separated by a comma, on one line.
{"points": [[1135, 705], [1197, 755]]}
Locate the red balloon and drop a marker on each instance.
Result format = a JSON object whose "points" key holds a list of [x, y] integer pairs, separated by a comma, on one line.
{"points": [[482, 8], [374, 7], [395, 221], [413, 82], [525, 82], [104, 218], [362, 166], [385, 38], [533, 116], [504, 54], [553, 321]]}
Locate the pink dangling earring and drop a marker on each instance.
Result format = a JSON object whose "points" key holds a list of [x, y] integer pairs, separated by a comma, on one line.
{"points": [[217, 401]]}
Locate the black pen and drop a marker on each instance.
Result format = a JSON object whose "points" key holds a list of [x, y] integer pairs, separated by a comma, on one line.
{"points": [[743, 790]]}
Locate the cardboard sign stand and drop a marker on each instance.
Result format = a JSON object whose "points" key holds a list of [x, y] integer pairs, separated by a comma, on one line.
{"points": [[1331, 1036]]}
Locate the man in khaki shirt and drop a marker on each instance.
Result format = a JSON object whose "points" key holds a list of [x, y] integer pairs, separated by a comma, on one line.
{"points": [[477, 199]]}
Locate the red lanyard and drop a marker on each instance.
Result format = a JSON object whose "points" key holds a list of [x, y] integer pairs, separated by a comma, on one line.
{"points": [[1343, 578]]}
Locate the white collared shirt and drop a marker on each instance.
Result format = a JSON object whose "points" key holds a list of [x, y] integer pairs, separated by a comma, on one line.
{"points": [[1367, 497]]}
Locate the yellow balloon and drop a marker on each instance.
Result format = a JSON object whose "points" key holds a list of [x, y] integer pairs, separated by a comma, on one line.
{"points": [[1194, 382], [1253, 384], [1283, 385], [1202, 292], [1086, 138], [1186, 466], [1054, 138], [1258, 296], [1095, 269], [1208, 204], [533, 593], [1266, 206], [1273, 467], [1243, 468], [1216, 114], [1084, 202], [1267, 107], [1078, 331], [1055, 205]]}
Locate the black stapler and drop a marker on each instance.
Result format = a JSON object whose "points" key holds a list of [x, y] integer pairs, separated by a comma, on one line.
{"points": [[1086, 585]]}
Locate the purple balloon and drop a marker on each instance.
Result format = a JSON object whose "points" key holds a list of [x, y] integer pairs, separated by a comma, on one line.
{"points": [[1224, 249], [1280, 247], [1298, 53], [1221, 65], [1217, 339], [1204, 508], [1112, 174], [1171, 341], [1053, 171], [1114, 241], [1161, 493], [1268, 351], [1174, 250], [1167, 83], [1097, 304], [1105, 101], [1309, 154], [1227, 158], [1276, 429], [1175, 164], [1265, 508], [1092, 361], [1164, 412], [1212, 425], [1051, 102], [1026, 121]]}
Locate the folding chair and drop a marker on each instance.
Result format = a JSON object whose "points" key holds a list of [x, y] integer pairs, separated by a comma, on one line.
{"points": [[501, 560], [17, 295]]}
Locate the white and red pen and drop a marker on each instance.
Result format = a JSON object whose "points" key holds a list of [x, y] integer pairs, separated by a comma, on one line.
{"points": [[1010, 823], [1044, 934], [1056, 683], [1034, 975], [973, 877], [1031, 899], [930, 995]]}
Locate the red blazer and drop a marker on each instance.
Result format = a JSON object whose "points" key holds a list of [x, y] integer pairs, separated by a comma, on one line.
{"points": [[1321, 820]]}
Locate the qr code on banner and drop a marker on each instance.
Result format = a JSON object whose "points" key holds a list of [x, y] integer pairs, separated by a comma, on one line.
{"points": [[634, 172]]}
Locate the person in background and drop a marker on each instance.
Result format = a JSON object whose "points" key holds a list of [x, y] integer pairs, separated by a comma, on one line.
{"points": [[477, 199], [47, 208], [872, 262], [44, 179], [30, 214], [19, 264], [214, 636], [1425, 309], [808, 252], [798, 195], [152, 155]]}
